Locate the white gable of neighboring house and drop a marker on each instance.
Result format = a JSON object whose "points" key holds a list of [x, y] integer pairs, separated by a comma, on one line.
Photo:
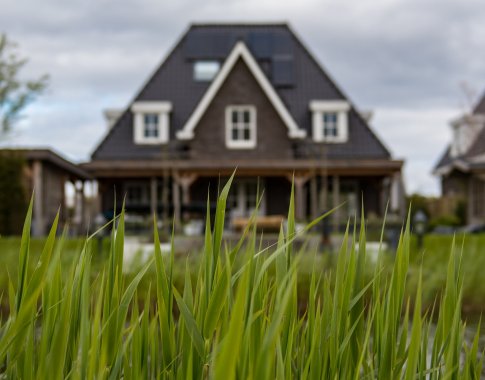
{"points": [[465, 131]]}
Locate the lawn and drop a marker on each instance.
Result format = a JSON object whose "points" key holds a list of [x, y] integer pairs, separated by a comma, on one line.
{"points": [[74, 309], [433, 256]]}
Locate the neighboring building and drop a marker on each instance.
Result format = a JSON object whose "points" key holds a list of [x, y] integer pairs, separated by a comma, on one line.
{"points": [[45, 174], [251, 97], [462, 166]]}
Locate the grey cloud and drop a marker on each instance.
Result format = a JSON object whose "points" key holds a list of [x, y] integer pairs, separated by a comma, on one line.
{"points": [[403, 58]]}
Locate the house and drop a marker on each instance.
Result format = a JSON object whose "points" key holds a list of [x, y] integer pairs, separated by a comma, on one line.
{"points": [[462, 165], [251, 97], [44, 173]]}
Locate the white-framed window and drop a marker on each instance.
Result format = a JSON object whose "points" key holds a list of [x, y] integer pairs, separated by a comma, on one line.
{"points": [[330, 121], [205, 71], [330, 124], [151, 125], [151, 122], [241, 127]]}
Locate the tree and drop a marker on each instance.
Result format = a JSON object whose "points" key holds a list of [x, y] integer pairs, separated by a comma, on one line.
{"points": [[12, 193], [15, 92]]}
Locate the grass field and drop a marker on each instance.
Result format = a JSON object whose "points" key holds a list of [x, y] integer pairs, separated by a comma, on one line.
{"points": [[72, 310], [433, 259]]}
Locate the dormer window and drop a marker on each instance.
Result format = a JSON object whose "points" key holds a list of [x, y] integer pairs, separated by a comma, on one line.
{"points": [[330, 121], [241, 127], [151, 122], [330, 124], [151, 125], [205, 71]]}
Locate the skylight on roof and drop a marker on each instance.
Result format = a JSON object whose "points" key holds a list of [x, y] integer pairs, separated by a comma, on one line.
{"points": [[205, 71]]}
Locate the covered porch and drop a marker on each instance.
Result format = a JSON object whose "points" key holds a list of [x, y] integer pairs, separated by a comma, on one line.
{"points": [[179, 192]]}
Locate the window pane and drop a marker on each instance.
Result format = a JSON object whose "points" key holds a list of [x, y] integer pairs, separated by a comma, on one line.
{"points": [[235, 136], [151, 118], [234, 117], [330, 117], [150, 125], [205, 70], [246, 117], [330, 128], [247, 134]]}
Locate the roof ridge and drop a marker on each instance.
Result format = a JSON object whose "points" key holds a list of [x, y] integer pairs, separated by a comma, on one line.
{"points": [[238, 23]]}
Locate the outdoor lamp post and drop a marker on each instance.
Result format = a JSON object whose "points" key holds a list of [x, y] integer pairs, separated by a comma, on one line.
{"points": [[420, 221]]}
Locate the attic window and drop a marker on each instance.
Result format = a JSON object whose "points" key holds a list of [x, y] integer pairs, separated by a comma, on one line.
{"points": [[241, 127], [151, 122], [330, 120], [151, 125], [205, 71]]}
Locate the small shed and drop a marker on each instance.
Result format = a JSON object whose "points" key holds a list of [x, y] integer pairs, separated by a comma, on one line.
{"points": [[45, 174]]}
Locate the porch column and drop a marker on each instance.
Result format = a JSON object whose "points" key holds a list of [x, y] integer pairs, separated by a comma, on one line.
{"points": [[336, 201], [396, 195], [153, 196], [314, 197], [185, 181], [79, 205], [323, 198], [176, 200], [300, 206], [38, 199]]}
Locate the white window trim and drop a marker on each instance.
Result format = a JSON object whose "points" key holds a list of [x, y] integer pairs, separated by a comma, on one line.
{"points": [[240, 51], [319, 108], [140, 109], [246, 144]]}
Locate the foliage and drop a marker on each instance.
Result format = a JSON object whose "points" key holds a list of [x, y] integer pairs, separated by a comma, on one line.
{"points": [[15, 92], [417, 202], [12, 195], [445, 220], [234, 320]]}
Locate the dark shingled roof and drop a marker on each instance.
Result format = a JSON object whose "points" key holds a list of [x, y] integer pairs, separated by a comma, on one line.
{"points": [[48, 155], [445, 158], [480, 107], [173, 81]]}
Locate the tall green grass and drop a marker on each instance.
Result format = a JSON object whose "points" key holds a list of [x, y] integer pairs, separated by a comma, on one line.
{"points": [[241, 317]]}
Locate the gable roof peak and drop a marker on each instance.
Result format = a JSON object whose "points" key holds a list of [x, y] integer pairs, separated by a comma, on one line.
{"points": [[240, 24], [240, 51]]}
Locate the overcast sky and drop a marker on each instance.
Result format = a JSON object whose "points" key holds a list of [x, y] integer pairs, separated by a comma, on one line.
{"points": [[406, 60]]}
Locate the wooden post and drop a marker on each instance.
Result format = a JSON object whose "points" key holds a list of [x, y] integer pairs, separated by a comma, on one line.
{"points": [[397, 198], [323, 196], [336, 201], [176, 203], [185, 181], [314, 196], [300, 206], [153, 196], [82, 207], [38, 199]]}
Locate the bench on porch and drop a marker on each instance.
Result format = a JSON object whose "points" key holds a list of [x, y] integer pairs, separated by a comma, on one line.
{"points": [[267, 222]]}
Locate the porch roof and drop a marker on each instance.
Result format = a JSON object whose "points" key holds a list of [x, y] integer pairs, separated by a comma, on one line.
{"points": [[143, 168]]}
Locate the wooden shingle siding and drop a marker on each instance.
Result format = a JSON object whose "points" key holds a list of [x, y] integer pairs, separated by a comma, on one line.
{"points": [[241, 88]]}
